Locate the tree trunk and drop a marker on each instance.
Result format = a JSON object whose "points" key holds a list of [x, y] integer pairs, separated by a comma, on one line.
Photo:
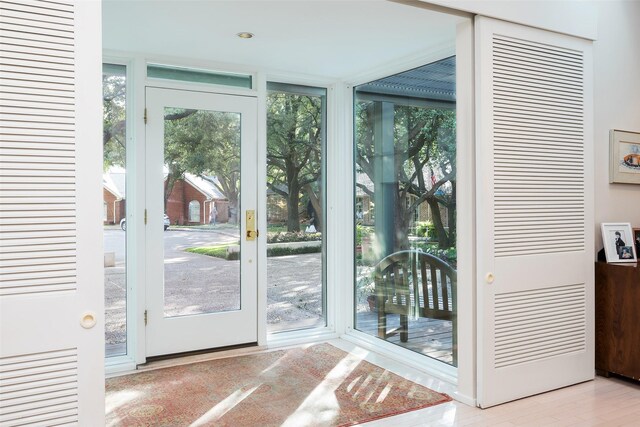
{"points": [[317, 205], [293, 200], [443, 238], [452, 212], [233, 208], [401, 226]]}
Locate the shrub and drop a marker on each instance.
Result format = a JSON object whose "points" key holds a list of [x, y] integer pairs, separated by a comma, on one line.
{"points": [[286, 237], [221, 251], [293, 251], [361, 232]]}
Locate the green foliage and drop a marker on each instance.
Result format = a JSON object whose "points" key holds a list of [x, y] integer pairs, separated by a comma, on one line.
{"points": [[449, 255], [426, 229], [215, 251], [362, 231], [424, 143], [282, 251], [285, 237], [113, 120], [294, 152], [221, 251]]}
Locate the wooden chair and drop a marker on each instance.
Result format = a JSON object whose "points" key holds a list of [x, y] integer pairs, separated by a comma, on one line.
{"points": [[413, 283]]}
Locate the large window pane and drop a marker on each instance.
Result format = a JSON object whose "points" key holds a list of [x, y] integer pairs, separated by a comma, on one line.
{"points": [[114, 96], [295, 207], [405, 209], [201, 190]]}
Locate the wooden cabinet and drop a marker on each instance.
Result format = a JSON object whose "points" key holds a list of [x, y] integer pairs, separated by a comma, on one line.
{"points": [[617, 300]]}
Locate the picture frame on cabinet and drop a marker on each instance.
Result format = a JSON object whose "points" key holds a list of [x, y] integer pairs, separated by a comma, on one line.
{"points": [[619, 242]]}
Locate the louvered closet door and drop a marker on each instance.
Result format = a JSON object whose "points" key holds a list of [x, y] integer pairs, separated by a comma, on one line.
{"points": [[535, 211], [51, 367]]}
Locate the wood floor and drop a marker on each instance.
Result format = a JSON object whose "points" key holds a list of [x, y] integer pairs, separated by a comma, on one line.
{"points": [[430, 337], [603, 402]]}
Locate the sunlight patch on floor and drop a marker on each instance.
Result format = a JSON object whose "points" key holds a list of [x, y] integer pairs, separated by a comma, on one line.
{"points": [[115, 400], [321, 405], [223, 407]]}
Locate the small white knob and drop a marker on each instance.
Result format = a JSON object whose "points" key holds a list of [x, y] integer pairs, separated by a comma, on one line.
{"points": [[88, 320], [490, 278]]}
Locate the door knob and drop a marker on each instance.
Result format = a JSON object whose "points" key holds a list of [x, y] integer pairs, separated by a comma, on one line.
{"points": [[490, 278], [88, 320], [252, 233]]}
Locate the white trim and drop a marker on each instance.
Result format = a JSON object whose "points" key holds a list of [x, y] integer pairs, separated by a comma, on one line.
{"points": [[261, 207], [410, 358], [136, 241], [118, 365], [466, 208], [341, 238], [300, 336]]}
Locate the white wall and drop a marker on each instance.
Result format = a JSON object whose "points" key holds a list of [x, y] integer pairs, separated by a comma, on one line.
{"points": [[573, 17], [617, 105]]}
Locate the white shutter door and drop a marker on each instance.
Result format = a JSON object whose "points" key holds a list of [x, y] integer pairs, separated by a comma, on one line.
{"points": [[51, 368], [535, 211]]}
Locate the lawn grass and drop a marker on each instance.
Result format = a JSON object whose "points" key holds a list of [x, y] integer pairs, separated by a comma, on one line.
{"points": [[220, 251]]}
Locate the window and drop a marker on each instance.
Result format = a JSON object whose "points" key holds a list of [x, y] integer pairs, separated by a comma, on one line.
{"points": [[194, 211], [296, 121], [114, 104], [198, 76], [405, 162]]}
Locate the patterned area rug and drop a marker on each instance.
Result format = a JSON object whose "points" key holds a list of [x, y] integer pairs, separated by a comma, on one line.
{"points": [[319, 385]]}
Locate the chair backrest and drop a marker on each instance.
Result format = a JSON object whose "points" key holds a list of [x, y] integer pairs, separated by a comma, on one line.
{"points": [[423, 283]]}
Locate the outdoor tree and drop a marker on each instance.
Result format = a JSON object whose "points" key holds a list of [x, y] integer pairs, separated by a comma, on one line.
{"points": [[294, 152], [424, 167], [204, 143], [113, 120]]}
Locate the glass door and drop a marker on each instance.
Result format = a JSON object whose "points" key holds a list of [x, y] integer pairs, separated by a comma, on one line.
{"points": [[201, 182]]}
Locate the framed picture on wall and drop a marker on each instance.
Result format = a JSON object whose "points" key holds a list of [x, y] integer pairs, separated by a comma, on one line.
{"points": [[624, 157], [619, 242]]}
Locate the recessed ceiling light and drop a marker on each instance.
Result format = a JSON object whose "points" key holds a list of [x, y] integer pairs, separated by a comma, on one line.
{"points": [[245, 35]]}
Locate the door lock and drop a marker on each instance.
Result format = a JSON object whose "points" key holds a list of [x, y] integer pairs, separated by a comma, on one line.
{"points": [[252, 233]]}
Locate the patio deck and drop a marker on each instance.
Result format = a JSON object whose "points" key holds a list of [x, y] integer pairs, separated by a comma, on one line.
{"points": [[430, 337]]}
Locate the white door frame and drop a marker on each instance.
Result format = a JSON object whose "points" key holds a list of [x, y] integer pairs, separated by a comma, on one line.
{"points": [[169, 335]]}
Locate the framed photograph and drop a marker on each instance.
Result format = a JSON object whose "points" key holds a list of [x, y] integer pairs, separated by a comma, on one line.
{"points": [[624, 157], [636, 240], [619, 242]]}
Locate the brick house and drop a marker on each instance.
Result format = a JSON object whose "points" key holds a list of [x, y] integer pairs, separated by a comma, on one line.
{"points": [[189, 203], [192, 200], [113, 188]]}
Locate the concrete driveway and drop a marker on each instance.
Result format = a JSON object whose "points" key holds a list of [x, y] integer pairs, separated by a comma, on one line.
{"points": [[201, 284]]}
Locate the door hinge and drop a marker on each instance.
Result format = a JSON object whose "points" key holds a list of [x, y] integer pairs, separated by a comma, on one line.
{"points": [[145, 318], [145, 217], [145, 116]]}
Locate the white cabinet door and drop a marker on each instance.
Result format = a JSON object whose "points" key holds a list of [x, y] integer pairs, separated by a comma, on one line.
{"points": [[51, 291], [535, 211], [195, 301]]}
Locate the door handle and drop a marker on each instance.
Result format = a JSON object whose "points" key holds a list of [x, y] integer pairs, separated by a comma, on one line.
{"points": [[252, 233]]}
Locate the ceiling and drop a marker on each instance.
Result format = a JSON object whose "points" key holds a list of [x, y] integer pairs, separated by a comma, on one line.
{"points": [[327, 38]]}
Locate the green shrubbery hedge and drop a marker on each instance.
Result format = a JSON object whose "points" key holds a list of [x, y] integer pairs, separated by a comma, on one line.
{"points": [[221, 251]]}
